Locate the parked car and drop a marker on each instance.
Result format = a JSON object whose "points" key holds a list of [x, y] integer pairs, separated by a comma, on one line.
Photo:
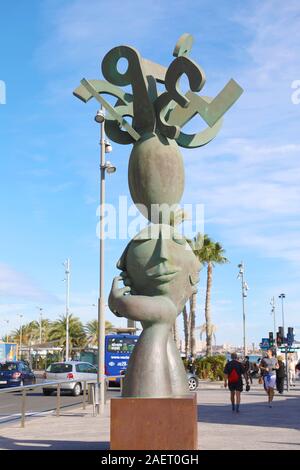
{"points": [[70, 370], [15, 374], [193, 381]]}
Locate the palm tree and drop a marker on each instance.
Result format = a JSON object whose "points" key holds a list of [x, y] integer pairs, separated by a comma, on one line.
{"points": [[190, 320], [77, 337], [210, 254], [91, 329], [212, 331]]}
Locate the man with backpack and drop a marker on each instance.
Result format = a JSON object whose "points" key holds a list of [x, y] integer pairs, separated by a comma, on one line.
{"points": [[234, 371]]}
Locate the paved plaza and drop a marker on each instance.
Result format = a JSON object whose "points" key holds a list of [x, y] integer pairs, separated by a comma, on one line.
{"points": [[255, 427]]}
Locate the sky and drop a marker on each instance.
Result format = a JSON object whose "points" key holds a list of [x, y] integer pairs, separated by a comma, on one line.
{"points": [[247, 178]]}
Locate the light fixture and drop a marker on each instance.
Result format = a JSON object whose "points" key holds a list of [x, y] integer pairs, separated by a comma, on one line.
{"points": [[110, 168], [100, 117], [108, 147]]}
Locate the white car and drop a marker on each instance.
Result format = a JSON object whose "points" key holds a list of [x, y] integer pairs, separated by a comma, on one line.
{"points": [[71, 370]]}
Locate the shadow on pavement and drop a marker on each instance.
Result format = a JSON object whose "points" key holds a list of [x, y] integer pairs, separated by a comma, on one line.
{"points": [[23, 444], [283, 414]]}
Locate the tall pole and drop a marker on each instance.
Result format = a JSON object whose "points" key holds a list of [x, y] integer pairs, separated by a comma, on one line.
{"points": [[67, 279], [273, 312], [41, 318], [244, 295], [101, 300], [282, 297]]}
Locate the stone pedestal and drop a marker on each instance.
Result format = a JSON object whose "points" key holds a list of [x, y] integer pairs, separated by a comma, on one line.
{"points": [[154, 423]]}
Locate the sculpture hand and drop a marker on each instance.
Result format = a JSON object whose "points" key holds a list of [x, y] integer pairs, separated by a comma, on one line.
{"points": [[116, 293]]}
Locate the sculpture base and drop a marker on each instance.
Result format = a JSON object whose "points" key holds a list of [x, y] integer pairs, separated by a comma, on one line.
{"points": [[154, 423]]}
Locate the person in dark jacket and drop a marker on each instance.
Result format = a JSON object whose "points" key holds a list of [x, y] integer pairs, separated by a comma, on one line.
{"points": [[233, 372], [280, 375]]}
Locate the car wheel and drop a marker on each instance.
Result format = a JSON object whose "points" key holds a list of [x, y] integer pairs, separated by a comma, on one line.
{"points": [[47, 392], [193, 384], [76, 390]]}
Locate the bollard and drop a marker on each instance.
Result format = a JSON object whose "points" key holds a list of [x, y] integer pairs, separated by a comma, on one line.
{"points": [[84, 395], [23, 410], [93, 400], [58, 400]]}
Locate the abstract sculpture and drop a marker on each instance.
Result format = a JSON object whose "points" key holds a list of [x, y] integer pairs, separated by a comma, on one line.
{"points": [[159, 269]]}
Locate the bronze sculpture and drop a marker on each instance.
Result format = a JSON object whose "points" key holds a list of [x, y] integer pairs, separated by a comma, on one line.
{"points": [[159, 269]]}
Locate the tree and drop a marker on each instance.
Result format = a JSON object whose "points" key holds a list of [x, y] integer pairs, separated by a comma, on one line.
{"points": [[190, 319], [30, 332], [91, 329], [77, 337], [209, 253], [212, 331]]}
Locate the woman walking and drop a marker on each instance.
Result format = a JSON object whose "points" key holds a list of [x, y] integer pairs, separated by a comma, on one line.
{"points": [[280, 375], [268, 366]]}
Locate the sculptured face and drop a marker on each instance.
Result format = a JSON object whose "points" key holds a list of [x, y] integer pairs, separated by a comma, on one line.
{"points": [[161, 263]]}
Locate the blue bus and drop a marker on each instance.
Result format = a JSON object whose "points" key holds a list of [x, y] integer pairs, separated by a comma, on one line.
{"points": [[118, 349]]}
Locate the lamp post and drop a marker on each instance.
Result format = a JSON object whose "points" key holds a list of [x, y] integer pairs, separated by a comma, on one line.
{"points": [[245, 288], [274, 316], [282, 297], [41, 318], [105, 166], [67, 280]]}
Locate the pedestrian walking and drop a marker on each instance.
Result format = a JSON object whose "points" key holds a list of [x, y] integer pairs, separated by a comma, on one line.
{"points": [[291, 370], [247, 365], [233, 371], [280, 375], [268, 366]]}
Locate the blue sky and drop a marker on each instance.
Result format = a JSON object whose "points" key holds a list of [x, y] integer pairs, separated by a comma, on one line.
{"points": [[247, 178]]}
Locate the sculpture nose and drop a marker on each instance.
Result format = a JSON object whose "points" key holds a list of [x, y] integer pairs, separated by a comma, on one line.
{"points": [[162, 247]]}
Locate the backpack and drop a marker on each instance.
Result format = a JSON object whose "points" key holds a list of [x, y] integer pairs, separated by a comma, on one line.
{"points": [[233, 376]]}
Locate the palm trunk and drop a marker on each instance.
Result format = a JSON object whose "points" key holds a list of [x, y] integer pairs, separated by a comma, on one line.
{"points": [[186, 331], [193, 300], [207, 310]]}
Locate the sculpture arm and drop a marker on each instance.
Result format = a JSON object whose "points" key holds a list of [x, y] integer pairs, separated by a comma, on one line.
{"points": [[139, 307]]}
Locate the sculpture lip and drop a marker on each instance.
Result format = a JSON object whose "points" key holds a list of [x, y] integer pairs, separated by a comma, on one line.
{"points": [[164, 275]]}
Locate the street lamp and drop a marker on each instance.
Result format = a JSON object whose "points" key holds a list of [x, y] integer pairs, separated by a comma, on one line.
{"points": [[66, 264], [245, 288], [274, 315], [41, 317], [105, 166], [282, 296]]}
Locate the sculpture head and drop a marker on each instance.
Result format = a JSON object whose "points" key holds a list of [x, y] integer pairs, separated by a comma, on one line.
{"points": [[159, 261]]}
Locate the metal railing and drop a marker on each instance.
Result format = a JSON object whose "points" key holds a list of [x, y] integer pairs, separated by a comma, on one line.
{"points": [[88, 386]]}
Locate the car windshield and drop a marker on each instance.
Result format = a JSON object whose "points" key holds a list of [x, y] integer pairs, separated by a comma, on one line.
{"points": [[8, 366], [60, 368]]}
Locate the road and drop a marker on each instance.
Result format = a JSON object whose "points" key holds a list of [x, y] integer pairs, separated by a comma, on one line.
{"points": [[36, 403]]}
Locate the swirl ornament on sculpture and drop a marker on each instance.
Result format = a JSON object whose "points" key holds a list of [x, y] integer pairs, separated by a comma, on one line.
{"points": [[158, 268]]}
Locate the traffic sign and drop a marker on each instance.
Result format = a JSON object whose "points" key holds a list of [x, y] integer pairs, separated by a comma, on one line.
{"points": [[265, 343]]}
